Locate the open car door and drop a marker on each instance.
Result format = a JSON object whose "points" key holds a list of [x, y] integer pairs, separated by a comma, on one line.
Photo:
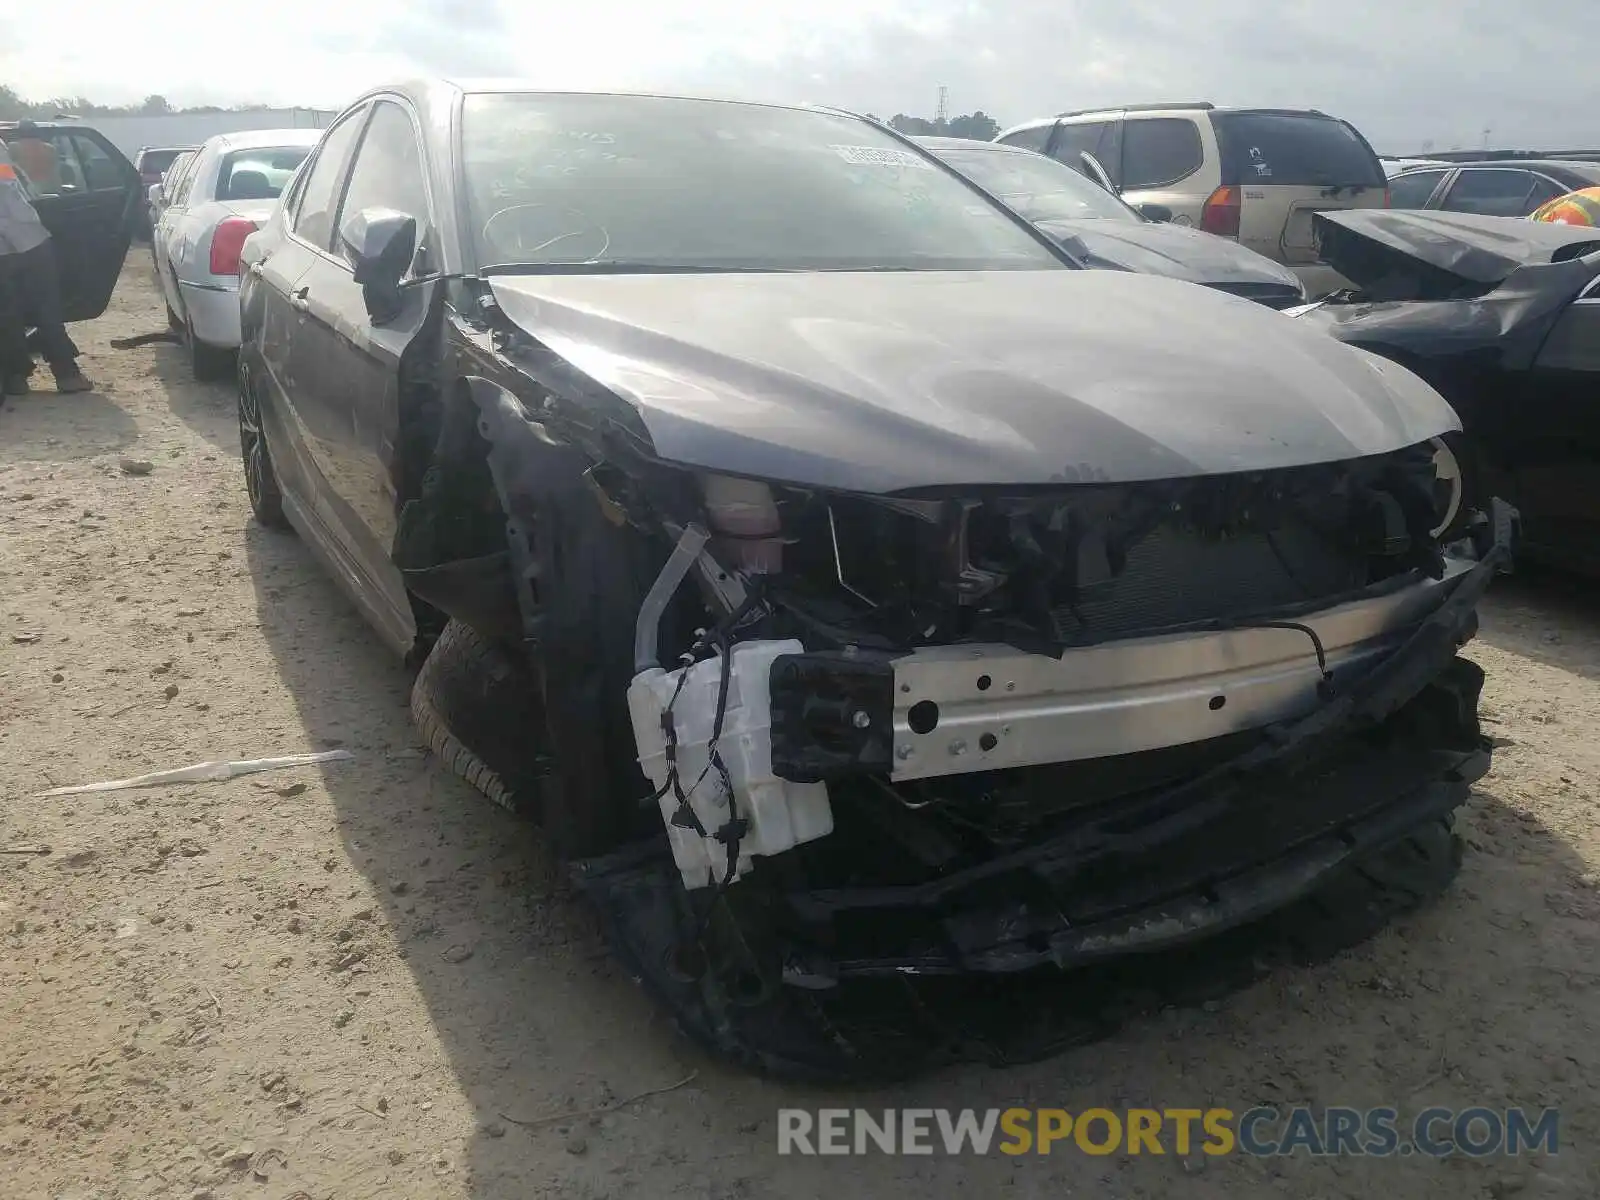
{"points": [[87, 194]]}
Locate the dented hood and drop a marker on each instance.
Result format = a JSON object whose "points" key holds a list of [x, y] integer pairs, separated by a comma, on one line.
{"points": [[887, 381], [1369, 246]]}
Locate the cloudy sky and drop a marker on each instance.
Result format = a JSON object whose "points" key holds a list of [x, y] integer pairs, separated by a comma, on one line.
{"points": [[1402, 70]]}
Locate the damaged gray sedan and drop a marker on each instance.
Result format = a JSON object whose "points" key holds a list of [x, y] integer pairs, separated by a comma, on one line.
{"points": [[871, 605]]}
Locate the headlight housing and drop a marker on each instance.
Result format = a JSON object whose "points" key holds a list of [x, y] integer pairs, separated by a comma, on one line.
{"points": [[1448, 484]]}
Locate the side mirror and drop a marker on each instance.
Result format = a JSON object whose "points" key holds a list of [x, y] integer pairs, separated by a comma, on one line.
{"points": [[1156, 212], [153, 195], [380, 243]]}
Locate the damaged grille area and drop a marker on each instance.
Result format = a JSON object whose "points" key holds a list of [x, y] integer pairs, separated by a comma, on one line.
{"points": [[1081, 565]]}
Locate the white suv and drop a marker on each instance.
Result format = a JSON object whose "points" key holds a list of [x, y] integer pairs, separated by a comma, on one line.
{"points": [[1252, 174]]}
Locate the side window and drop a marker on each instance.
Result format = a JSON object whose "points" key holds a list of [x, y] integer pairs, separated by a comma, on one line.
{"points": [[319, 195], [1109, 152], [292, 193], [100, 171], [1412, 189], [39, 159], [388, 169], [175, 174], [1545, 190], [1071, 140], [1498, 192], [179, 191], [1158, 151], [1029, 139]]}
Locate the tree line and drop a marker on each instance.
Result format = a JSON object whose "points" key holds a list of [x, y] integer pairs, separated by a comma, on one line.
{"points": [[14, 108], [978, 125]]}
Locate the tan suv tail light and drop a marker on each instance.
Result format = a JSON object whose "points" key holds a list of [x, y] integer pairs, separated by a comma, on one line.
{"points": [[1221, 212]]}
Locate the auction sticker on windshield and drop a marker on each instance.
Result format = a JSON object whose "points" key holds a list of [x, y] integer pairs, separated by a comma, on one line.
{"points": [[881, 156]]}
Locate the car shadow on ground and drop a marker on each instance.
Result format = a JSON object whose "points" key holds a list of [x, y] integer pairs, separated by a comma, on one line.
{"points": [[1547, 614], [207, 408], [536, 1019], [50, 427], [529, 1007]]}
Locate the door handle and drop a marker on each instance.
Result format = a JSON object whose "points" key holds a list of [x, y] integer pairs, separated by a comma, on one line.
{"points": [[298, 301]]}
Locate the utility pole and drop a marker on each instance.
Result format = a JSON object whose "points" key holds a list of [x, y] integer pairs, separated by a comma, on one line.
{"points": [[943, 115]]}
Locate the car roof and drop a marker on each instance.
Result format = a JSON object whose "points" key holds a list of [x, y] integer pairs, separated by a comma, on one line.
{"points": [[164, 149], [256, 139], [1167, 109], [1556, 166], [954, 143], [27, 125], [1150, 110], [437, 96]]}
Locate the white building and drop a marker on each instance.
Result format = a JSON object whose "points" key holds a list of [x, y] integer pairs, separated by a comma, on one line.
{"points": [[131, 133]]}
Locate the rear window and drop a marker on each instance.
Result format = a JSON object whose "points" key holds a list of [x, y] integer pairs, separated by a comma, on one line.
{"points": [[1295, 150], [1028, 139], [258, 174], [155, 162]]}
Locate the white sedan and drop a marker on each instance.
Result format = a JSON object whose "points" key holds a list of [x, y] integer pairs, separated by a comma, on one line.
{"points": [[225, 191]]}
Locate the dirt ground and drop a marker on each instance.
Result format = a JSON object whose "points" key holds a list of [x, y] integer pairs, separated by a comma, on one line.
{"points": [[349, 980]]}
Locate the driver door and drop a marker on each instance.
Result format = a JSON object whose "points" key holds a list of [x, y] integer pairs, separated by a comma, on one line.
{"points": [[88, 200], [348, 368]]}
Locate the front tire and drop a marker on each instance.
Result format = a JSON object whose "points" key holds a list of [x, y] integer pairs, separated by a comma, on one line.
{"points": [[478, 708], [260, 480]]}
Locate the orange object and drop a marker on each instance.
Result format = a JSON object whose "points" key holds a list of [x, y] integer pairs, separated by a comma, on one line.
{"points": [[1581, 207]]}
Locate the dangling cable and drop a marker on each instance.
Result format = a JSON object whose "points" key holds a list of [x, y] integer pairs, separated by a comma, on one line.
{"points": [[1325, 686]]}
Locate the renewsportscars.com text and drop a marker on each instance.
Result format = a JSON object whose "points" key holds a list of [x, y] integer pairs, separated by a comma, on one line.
{"points": [[1259, 1132]]}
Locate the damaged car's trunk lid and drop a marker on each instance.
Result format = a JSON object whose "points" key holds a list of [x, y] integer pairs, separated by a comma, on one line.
{"points": [[1439, 255]]}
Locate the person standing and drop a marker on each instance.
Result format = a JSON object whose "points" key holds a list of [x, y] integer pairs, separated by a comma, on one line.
{"points": [[30, 292]]}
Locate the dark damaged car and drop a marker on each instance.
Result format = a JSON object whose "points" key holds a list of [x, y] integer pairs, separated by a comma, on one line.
{"points": [[1503, 317], [872, 605], [1095, 226]]}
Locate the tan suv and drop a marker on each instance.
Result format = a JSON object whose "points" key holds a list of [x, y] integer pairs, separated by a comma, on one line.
{"points": [[1252, 174]]}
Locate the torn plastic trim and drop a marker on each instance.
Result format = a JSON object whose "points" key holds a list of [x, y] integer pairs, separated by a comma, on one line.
{"points": [[646, 913], [580, 580], [1368, 703], [724, 588], [990, 943], [505, 425], [647, 632]]}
